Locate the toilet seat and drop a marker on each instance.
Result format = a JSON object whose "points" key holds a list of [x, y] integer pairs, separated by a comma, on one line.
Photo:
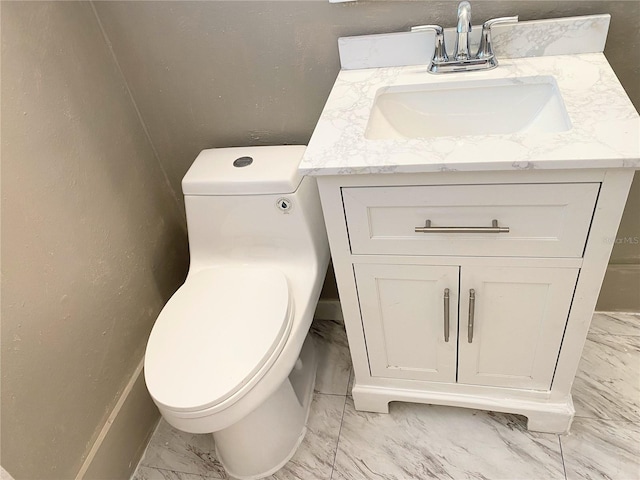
{"points": [[218, 334]]}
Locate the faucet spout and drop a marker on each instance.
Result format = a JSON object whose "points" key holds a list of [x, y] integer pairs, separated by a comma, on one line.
{"points": [[462, 60], [463, 29], [464, 17]]}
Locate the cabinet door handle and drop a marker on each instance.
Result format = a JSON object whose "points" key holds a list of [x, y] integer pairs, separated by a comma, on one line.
{"points": [[494, 228], [446, 314], [472, 312]]}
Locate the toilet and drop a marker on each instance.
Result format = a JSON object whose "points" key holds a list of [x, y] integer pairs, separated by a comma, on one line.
{"points": [[230, 353]]}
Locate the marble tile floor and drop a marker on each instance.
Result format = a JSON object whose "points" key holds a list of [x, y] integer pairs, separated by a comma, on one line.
{"points": [[423, 441]]}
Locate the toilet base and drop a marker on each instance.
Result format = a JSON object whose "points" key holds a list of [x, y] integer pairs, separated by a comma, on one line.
{"points": [[265, 440]]}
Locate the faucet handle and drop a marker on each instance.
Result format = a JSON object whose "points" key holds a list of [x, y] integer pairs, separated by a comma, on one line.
{"points": [[486, 47], [440, 52]]}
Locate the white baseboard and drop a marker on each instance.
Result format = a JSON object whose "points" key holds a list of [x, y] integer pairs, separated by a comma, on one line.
{"points": [[124, 436], [329, 309]]}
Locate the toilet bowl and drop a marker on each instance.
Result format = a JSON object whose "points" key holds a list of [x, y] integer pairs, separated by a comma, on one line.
{"points": [[230, 354]]}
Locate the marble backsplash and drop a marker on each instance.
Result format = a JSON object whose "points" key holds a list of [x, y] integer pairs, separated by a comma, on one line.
{"points": [[535, 38]]}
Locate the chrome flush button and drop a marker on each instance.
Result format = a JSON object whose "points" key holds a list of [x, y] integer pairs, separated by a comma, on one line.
{"points": [[242, 162]]}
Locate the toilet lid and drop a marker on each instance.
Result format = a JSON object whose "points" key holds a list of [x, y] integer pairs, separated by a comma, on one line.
{"points": [[215, 334]]}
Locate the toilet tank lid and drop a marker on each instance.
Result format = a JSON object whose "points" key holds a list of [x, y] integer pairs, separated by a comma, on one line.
{"points": [[244, 171]]}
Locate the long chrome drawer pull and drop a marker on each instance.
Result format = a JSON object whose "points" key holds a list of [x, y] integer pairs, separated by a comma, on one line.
{"points": [[446, 314], [472, 312], [494, 228]]}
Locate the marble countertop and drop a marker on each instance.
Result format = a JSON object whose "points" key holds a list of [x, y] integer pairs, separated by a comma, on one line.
{"points": [[605, 129]]}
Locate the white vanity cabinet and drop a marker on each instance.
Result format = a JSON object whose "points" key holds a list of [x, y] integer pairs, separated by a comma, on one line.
{"points": [[508, 334], [471, 289], [512, 215]]}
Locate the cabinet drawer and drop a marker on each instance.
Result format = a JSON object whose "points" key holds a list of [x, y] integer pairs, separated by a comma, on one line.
{"points": [[543, 220]]}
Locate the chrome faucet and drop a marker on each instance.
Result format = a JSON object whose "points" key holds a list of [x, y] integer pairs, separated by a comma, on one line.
{"points": [[462, 60], [463, 29]]}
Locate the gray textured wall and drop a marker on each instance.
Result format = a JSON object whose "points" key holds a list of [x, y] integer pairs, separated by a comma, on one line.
{"points": [[216, 74], [93, 241]]}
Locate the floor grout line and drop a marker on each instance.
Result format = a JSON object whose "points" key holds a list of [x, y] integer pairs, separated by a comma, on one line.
{"points": [[594, 334], [599, 419], [344, 408], [178, 472], [163, 469], [564, 467], [332, 394]]}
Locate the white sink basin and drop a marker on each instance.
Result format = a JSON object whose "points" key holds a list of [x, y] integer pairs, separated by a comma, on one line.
{"points": [[481, 107]]}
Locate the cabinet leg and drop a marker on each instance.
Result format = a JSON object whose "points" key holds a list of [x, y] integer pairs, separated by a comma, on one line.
{"points": [[366, 402], [547, 422]]}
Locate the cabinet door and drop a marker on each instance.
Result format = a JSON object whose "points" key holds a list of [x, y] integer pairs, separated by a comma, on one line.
{"points": [[519, 320], [403, 315]]}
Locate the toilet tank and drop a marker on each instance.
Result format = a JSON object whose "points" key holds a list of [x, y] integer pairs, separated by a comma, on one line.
{"points": [[244, 171], [250, 205]]}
